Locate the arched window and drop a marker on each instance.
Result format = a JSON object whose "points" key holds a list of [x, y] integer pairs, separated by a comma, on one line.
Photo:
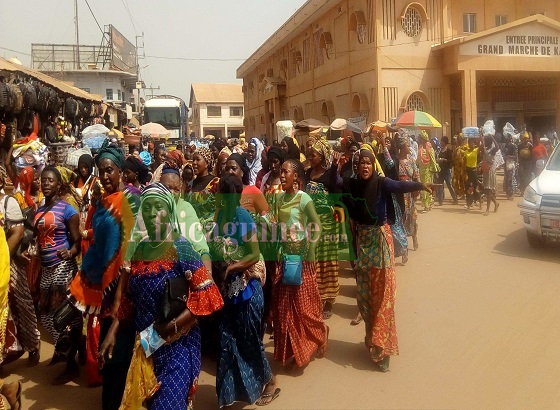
{"points": [[412, 19], [327, 112], [415, 102]]}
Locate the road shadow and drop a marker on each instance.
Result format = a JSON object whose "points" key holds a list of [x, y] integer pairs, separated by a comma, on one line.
{"points": [[515, 245], [349, 354], [345, 311]]}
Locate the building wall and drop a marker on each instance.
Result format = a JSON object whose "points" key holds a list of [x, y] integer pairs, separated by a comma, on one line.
{"points": [[97, 83], [382, 75], [201, 121]]}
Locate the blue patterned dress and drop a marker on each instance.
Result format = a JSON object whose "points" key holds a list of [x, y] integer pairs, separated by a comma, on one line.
{"points": [[176, 365]]}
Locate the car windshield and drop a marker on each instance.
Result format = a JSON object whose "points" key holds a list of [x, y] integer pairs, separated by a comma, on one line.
{"points": [[554, 163]]}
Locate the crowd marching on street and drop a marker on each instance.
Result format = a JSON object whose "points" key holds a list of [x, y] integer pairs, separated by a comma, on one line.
{"points": [[139, 263]]}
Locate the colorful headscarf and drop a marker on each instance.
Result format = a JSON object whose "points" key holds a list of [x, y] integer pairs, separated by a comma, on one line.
{"points": [[111, 151], [324, 148], [255, 166], [159, 191], [67, 176], [207, 155], [223, 155], [176, 159], [146, 158], [424, 135]]}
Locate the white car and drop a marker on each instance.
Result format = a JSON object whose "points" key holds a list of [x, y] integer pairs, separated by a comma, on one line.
{"points": [[540, 206]]}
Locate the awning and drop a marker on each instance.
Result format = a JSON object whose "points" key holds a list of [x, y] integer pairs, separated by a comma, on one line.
{"points": [[9, 67]]}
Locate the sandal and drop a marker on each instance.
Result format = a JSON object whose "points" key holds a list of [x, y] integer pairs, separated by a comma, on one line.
{"points": [[357, 320], [18, 397], [33, 359], [327, 314], [267, 398]]}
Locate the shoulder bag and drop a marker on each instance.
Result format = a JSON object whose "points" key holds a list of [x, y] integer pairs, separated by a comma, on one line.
{"points": [[292, 270]]}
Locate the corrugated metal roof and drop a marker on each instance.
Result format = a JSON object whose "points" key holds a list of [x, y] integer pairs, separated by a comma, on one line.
{"points": [[216, 93], [6, 65]]}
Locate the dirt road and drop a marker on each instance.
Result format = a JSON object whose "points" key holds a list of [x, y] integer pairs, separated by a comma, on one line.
{"points": [[477, 316]]}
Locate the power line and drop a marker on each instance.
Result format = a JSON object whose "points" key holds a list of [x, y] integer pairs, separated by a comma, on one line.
{"points": [[95, 18], [15, 51], [132, 19], [197, 59]]}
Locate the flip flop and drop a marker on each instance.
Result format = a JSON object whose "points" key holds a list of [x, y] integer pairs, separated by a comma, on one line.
{"points": [[327, 314], [357, 320], [262, 401]]}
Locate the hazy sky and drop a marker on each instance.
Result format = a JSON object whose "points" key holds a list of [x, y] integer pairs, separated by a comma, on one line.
{"points": [[201, 29]]}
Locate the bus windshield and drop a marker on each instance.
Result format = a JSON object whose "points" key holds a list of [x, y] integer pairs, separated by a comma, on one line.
{"points": [[166, 116]]}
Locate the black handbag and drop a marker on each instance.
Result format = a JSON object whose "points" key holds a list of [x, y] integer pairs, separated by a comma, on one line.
{"points": [[64, 315], [174, 302]]}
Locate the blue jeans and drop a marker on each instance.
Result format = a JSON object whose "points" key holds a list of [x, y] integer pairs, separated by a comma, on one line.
{"points": [[445, 176]]}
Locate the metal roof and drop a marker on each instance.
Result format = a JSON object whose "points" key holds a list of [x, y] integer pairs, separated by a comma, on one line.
{"points": [[216, 93]]}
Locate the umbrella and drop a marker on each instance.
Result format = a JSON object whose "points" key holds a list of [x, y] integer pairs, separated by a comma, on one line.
{"points": [[378, 125], [418, 119], [310, 124], [95, 131], [154, 130], [341, 124]]}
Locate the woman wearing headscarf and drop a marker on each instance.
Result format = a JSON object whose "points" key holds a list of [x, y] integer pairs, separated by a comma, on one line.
{"points": [[291, 151], [428, 167], [221, 161], [320, 190], [243, 373], [67, 190], [28, 193], [204, 186], [265, 167], [375, 266], [135, 174], [389, 161], [93, 289], [20, 301], [85, 179], [489, 164], [408, 172], [254, 154], [58, 237], [162, 255]]}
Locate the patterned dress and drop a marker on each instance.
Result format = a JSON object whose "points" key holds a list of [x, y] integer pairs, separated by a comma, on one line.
{"points": [[204, 201], [409, 172], [327, 249], [176, 364], [459, 171], [299, 329], [243, 369]]}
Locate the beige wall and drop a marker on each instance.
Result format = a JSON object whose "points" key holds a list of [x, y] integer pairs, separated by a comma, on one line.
{"points": [[386, 68]]}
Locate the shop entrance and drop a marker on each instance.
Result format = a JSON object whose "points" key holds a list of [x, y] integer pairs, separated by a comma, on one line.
{"points": [[540, 123]]}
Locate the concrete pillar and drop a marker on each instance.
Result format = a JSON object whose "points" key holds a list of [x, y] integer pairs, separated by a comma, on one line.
{"points": [[225, 134], [469, 98], [557, 104]]}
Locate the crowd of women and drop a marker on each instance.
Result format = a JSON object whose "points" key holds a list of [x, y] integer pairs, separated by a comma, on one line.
{"points": [[154, 256]]}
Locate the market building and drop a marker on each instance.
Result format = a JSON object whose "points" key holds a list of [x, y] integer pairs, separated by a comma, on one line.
{"points": [[216, 109], [463, 62]]}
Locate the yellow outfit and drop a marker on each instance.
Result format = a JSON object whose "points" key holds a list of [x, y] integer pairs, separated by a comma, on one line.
{"points": [[472, 158]]}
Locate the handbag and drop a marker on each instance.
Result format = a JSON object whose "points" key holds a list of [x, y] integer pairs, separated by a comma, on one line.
{"points": [[292, 270], [175, 295], [64, 315]]}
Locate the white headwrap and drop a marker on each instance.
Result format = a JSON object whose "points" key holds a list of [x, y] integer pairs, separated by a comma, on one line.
{"points": [[255, 166]]}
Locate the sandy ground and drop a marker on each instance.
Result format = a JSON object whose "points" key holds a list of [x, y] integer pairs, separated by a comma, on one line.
{"points": [[477, 317]]}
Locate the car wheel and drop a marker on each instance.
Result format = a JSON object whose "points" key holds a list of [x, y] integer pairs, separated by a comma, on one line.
{"points": [[535, 241]]}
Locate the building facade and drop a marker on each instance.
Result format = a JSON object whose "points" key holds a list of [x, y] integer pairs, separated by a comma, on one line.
{"points": [[462, 61], [216, 109]]}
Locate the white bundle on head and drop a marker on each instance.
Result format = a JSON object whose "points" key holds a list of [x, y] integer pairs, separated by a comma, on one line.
{"points": [[284, 129]]}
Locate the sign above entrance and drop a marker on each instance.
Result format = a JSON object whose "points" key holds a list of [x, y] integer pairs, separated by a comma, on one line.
{"points": [[532, 40]]}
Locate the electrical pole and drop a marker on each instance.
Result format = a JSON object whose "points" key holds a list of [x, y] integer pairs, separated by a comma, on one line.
{"points": [[152, 90], [77, 34]]}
